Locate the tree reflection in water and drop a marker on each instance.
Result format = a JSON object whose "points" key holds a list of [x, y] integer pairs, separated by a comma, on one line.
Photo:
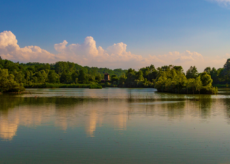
{"points": [[90, 113]]}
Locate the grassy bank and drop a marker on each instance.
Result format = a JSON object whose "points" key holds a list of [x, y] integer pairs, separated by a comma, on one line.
{"points": [[49, 85]]}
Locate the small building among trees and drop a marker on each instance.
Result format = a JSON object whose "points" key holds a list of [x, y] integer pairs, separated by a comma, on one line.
{"points": [[106, 77]]}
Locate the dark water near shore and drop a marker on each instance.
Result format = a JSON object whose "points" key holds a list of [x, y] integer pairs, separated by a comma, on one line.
{"points": [[125, 126]]}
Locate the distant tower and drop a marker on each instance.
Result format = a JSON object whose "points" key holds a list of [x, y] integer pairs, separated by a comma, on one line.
{"points": [[106, 77]]}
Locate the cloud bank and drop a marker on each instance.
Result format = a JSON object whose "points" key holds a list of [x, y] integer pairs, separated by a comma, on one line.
{"points": [[9, 49], [87, 53]]}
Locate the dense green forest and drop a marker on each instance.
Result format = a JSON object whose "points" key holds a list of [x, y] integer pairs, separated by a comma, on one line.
{"points": [[173, 80], [60, 74], [15, 76]]}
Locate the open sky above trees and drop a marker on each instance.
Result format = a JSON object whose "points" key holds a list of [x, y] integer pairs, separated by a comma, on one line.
{"points": [[117, 33]]}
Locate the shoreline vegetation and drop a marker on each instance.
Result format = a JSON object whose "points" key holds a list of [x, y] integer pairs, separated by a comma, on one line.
{"points": [[15, 77], [173, 80]]}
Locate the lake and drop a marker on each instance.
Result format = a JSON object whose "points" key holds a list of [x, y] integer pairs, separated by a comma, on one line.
{"points": [[115, 126]]}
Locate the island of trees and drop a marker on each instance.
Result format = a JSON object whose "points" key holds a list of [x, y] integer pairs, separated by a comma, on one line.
{"points": [[14, 77]]}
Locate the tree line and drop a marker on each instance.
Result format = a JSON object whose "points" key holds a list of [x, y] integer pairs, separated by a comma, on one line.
{"points": [[174, 80], [13, 76], [220, 75], [34, 74]]}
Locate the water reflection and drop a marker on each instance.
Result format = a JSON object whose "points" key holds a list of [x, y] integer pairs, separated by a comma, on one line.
{"points": [[117, 125], [93, 113], [8, 127], [66, 112]]}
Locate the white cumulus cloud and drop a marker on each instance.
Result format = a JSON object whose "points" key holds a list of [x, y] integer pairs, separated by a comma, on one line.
{"points": [[9, 49], [87, 53]]}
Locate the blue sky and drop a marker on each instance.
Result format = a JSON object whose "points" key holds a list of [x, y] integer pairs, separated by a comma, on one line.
{"points": [[147, 27]]}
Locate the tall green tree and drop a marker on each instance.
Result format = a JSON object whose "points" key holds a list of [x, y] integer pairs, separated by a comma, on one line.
{"points": [[192, 72], [7, 82], [206, 79], [82, 77], [131, 76], [66, 78], [98, 78], [114, 79], [198, 84], [75, 76], [208, 70], [53, 77], [191, 85], [122, 80]]}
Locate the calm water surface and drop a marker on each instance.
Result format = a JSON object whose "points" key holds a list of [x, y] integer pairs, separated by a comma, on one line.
{"points": [[114, 126]]}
